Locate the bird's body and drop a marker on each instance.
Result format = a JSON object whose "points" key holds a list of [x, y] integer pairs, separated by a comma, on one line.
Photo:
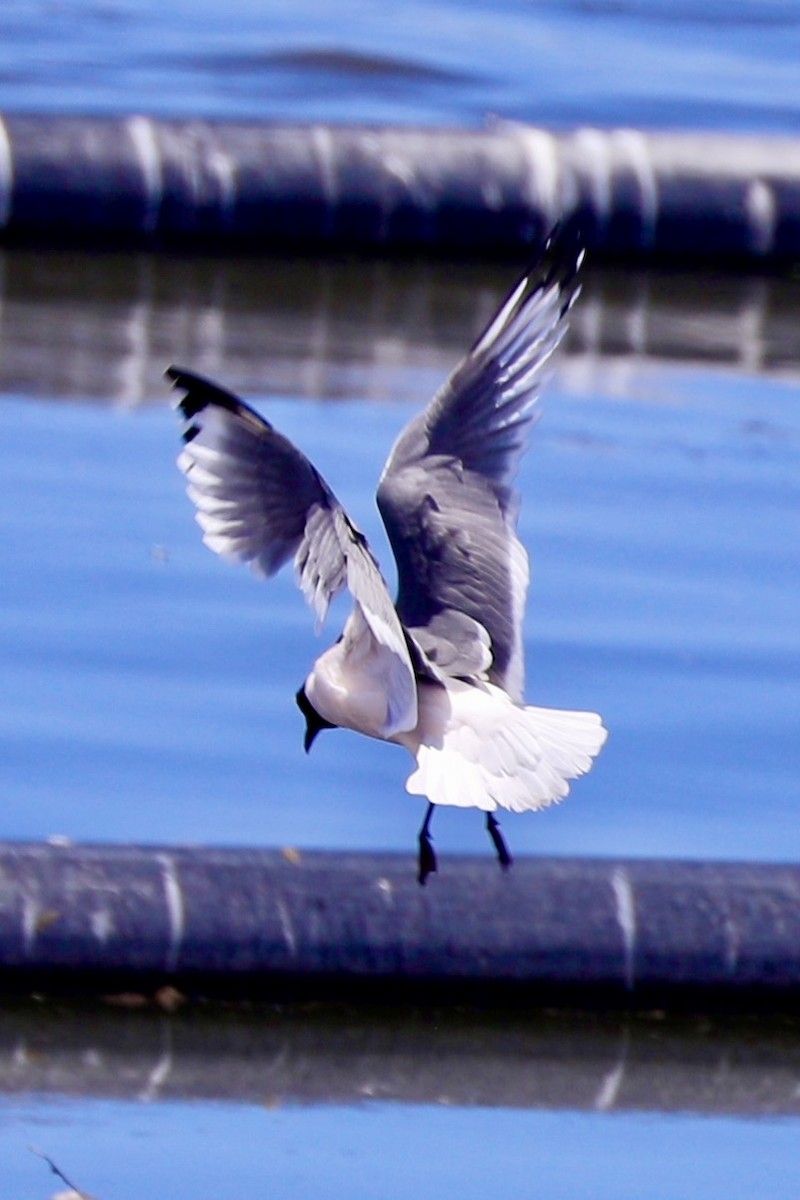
{"points": [[441, 670]]}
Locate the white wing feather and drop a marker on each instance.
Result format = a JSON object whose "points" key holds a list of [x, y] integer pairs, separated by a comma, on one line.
{"points": [[260, 501]]}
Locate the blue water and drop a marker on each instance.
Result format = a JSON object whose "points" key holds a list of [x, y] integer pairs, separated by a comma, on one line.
{"points": [[209, 1151], [148, 687], [697, 64]]}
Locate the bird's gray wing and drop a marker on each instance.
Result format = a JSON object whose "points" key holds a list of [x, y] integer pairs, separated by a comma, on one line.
{"points": [[260, 501], [445, 494]]}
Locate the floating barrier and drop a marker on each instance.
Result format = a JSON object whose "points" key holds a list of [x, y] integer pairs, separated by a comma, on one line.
{"points": [[271, 924], [141, 181]]}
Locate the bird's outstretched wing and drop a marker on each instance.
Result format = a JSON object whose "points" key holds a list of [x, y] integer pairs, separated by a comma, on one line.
{"points": [[445, 494], [260, 501]]}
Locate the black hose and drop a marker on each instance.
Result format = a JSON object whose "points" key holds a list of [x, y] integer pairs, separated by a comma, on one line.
{"points": [[223, 185], [247, 923]]}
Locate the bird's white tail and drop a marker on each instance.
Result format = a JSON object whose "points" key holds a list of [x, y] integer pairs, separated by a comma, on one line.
{"points": [[475, 748]]}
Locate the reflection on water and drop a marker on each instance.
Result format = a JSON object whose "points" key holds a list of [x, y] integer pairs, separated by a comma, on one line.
{"points": [[318, 1054], [103, 327], [315, 1105]]}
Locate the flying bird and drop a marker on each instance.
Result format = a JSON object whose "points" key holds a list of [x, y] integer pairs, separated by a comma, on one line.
{"points": [[439, 670]]}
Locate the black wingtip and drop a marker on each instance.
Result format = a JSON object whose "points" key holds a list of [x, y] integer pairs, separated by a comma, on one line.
{"points": [[200, 392], [556, 262], [563, 252], [568, 231]]}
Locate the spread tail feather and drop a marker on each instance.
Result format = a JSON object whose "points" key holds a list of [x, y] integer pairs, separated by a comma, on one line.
{"points": [[480, 750]]}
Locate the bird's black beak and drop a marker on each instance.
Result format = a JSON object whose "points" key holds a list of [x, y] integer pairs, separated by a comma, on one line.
{"points": [[314, 722]]}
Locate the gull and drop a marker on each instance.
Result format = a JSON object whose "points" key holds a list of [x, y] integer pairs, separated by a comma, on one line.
{"points": [[439, 670]]}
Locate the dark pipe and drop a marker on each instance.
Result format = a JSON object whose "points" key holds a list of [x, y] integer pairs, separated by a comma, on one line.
{"points": [[94, 919], [138, 180]]}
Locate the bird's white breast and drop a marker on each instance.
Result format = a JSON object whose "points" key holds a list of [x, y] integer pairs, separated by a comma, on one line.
{"points": [[356, 682]]}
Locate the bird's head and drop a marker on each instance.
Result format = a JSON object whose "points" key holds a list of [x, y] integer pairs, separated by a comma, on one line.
{"points": [[314, 722]]}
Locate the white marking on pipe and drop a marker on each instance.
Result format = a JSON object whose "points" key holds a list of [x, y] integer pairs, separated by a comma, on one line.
{"points": [[59, 840], [401, 169], [6, 174], [492, 195], [411, 179], [636, 147], [385, 888], [285, 918], [322, 141], [732, 945], [762, 213], [102, 925], [222, 168], [626, 919], [176, 913], [544, 172], [30, 922], [595, 158], [142, 133]]}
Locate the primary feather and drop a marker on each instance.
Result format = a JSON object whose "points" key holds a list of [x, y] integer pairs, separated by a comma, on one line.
{"points": [[260, 501], [446, 492]]}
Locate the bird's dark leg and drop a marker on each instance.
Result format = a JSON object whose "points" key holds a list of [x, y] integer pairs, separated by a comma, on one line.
{"points": [[427, 856], [503, 856]]}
